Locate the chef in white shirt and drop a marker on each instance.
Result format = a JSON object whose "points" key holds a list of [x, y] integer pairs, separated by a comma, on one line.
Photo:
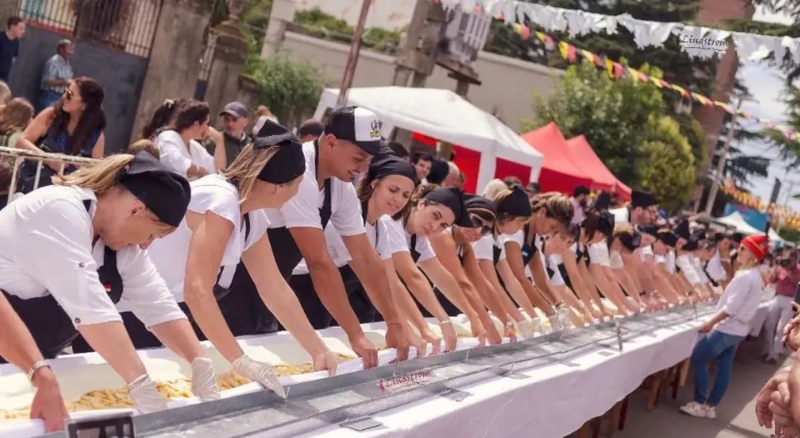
{"points": [[642, 211], [226, 224], [49, 273], [326, 197]]}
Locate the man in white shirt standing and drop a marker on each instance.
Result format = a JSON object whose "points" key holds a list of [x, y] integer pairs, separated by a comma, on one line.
{"points": [[580, 196], [326, 197]]}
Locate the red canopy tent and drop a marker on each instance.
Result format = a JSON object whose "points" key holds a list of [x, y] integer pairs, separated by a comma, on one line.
{"points": [[584, 157], [558, 172]]}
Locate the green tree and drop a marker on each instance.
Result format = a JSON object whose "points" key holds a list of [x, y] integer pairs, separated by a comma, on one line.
{"points": [[666, 166], [610, 113], [789, 150], [290, 89]]}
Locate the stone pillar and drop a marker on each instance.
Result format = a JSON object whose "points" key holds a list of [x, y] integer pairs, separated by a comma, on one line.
{"points": [[175, 57], [8, 8], [228, 60], [280, 16]]}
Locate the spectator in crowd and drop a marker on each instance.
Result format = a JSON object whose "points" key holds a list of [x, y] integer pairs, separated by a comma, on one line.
{"points": [[163, 118], [494, 187], [785, 276], [144, 145], [6, 169], [73, 125], [14, 118], [9, 45], [235, 118], [533, 189], [579, 200], [310, 130], [452, 175], [398, 149], [262, 114], [438, 173], [512, 181], [462, 179], [178, 146], [423, 162], [5, 94], [57, 74]]}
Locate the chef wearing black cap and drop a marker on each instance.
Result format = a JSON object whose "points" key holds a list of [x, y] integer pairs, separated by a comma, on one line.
{"points": [[48, 269], [664, 242], [687, 244], [433, 211], [226, 223], [513, 211], [326, 197], [642, 211]]}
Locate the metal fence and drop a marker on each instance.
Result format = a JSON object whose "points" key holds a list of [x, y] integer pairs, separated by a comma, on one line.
{"points": [[126, 25], [16, 157]]}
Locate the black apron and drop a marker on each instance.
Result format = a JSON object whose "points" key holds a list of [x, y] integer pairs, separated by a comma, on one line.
{"points": [[243, 308], [448, 307], [359, 300], [528, 249], [48, 323]]}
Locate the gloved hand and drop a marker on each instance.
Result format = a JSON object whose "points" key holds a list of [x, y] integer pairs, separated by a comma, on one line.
{"points": [[555, 322], [526, 328], [563, 316], [204, 380], [260, 372], [145, 396]]}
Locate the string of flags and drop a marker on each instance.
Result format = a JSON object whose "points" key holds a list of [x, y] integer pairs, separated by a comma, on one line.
{"points": [[779, 213], [617, 70]]}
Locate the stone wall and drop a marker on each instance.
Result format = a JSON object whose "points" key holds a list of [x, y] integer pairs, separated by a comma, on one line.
{"points": [[508, 84]]}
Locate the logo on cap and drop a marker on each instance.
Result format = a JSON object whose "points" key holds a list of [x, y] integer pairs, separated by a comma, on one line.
{"points": [[376, 129]]}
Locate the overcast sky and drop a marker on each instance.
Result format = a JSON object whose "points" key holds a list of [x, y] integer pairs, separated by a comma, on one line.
{"points": [[766, 86]]}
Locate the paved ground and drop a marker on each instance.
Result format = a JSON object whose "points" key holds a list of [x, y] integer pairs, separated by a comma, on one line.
{"points": [[735, 416]]}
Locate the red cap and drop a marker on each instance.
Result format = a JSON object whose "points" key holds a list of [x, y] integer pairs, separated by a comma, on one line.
{"points": [[758, 245]]}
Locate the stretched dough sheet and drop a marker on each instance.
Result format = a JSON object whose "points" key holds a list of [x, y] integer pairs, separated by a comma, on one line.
{"points": [[80, 374]]}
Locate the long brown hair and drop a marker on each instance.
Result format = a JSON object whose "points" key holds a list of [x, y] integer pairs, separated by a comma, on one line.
{"points": [[92, 120], [100, 177], [244, 170], [365, 191], [16, 115], [418, 195]]}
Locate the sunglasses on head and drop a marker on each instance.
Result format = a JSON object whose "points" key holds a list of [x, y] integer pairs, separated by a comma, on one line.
{"points": [[486, 228]]}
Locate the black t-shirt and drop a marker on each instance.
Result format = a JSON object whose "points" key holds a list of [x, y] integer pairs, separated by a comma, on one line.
{"points": [[9, 49]]}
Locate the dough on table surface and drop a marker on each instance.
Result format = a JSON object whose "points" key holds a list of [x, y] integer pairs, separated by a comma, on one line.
{"points": [[97, 386]]}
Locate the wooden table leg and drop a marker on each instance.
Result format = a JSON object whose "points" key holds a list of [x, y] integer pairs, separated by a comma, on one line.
{"points": [[615, 415], [685, 371], [583, 432], [676, 381], [652, 399], [596, 427], [623, 414]]}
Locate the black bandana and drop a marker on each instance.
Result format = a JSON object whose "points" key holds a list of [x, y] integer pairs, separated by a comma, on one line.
{"points": [[481, 207], [288, 162], [392, 165], [631, 241], [162, 191], [452, 198], [516, 204]]}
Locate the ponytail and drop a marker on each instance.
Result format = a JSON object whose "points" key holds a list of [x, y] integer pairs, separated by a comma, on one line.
{"points": [[99, 178]]}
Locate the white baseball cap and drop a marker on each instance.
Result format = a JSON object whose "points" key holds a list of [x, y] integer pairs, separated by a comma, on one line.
{"points": [[357, 125]]}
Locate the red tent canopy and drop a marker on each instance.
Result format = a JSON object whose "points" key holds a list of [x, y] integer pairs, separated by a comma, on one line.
{"points": [[584, 157], [558, 171]]}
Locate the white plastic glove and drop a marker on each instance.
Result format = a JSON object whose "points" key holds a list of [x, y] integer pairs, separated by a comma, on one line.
{"points": [[204, 380], [145, 396], [562, 311], [526, 328], [555, 322], [260, 372]]}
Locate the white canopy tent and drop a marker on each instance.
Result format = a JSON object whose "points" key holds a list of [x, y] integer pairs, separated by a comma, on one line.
{"points": [[736, 220], [444, 115]]}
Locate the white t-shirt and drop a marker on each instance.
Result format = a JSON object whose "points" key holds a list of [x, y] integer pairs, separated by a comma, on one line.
{"points": [[390, 241], [519, 239], [688, 269], [621, 215], [615, 260], [645, 251], [302, 211], [213, 194], [740, 302], [46, 248], [484, 248], [598, 254], [423, 246], [671, 261], [553, 261], [177, 157], [715, 268]]}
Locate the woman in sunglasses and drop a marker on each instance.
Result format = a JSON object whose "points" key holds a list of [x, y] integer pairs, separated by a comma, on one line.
{"points": [[453, 247], [72, 126]]}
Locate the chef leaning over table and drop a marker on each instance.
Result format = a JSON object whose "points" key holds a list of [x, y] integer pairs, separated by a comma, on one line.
{"points": [[51, 243], [334, 161], [226, 224]]}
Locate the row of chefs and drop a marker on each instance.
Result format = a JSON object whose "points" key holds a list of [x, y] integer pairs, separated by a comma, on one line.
{"points": [[283, 238]]}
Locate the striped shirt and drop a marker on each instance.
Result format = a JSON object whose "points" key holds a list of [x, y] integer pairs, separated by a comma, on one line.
{"points": [[57, 67]]}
